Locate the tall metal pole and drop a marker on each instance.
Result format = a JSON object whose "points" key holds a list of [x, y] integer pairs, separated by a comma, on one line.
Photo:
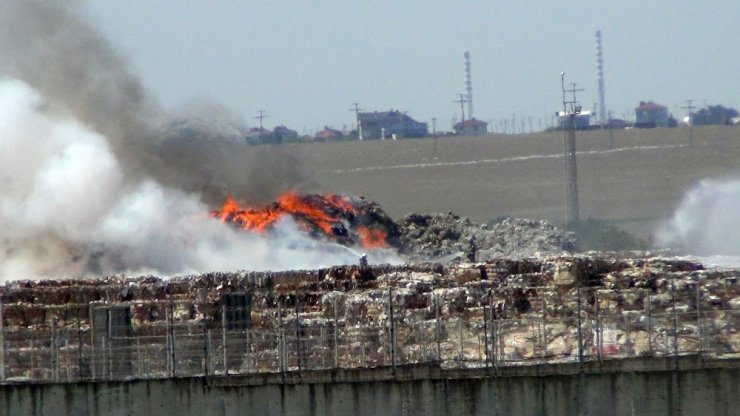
{"points": [[462, 102], [260, 116], [356, 109], [690, 106], [570, 110], [600, 74]]}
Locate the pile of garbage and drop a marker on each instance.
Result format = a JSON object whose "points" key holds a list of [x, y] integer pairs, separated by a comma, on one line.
{"points": [[448, 237]]}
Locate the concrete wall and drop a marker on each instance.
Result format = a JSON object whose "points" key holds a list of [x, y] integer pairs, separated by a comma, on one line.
{"points": [[626, 387]]}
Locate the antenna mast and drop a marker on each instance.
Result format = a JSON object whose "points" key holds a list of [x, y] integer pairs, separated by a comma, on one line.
{"points": [[468, 85], [600, 73]]}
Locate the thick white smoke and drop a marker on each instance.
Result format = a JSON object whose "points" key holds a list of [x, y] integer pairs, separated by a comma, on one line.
{"points": [[707, 222], [68, 209]]}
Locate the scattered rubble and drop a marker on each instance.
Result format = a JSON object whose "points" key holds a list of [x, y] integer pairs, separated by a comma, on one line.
{"points": [[449, 236]]}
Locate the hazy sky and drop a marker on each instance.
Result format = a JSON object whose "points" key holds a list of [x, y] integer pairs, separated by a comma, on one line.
{"points": [[306, 62]]}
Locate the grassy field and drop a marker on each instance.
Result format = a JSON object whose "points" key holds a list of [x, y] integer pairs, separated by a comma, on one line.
{"points": [[633, 185]]}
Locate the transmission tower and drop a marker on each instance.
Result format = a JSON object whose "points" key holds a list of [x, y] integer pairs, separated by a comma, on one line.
{"points": [[468, 85]]}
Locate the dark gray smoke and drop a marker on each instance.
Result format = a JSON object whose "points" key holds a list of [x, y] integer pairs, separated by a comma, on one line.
{"points": [[96, 178], [51, 47]]}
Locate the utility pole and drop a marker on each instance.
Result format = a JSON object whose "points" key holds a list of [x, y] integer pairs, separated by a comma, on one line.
{"points": [[690, 106], [260, 115], [570, 110], [462, 102], [434, 137], [356, 109]]}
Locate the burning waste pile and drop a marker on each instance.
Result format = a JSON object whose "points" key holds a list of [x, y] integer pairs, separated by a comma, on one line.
{"points": [[354, 221]]}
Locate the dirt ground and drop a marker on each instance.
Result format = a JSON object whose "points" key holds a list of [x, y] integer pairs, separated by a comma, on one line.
{"points": [[634, 184]]}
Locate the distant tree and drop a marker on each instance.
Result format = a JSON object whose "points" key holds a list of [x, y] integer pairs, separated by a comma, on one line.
{"points": [[714, 114]]}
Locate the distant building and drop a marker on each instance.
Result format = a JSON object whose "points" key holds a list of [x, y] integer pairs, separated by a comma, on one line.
{"points": [[258, 135], [377, 125], [581, 119], [714, 114], [650, 114], [328, 134], [471, 127], [281, 134]]}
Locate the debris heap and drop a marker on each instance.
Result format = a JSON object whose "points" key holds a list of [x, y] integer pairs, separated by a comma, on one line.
{"points": [[450, 236]]}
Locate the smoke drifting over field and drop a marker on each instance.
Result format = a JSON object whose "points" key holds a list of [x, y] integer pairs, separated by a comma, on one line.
{"points": [[707, 222], [98, 179]]}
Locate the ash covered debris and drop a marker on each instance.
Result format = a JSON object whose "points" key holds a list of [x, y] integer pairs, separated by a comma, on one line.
{"points": [[441, 235]]}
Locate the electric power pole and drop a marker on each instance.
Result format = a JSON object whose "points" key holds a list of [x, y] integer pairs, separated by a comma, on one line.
{"points": [[690, 106], [356, 109], [570, 110], [260, 115], [462, 102]]}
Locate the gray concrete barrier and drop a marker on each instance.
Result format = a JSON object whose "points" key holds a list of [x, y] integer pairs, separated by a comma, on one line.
{"points": [[645, 386]]}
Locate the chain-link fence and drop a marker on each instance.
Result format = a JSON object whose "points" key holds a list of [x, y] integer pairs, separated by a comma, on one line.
{"points": [[389, 327]]}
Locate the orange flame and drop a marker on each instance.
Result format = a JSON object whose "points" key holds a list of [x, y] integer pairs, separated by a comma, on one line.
{"points": [[331, 214], [372, 238]]}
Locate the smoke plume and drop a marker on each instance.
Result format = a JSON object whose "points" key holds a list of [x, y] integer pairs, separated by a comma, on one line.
{"points": [[97, 179], [707, 222], [51, 47]]}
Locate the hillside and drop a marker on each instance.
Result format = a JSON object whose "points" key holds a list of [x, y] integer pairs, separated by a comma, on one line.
{"points": [[634, 185]]}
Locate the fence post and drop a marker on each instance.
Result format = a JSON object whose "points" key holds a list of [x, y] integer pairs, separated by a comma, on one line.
{"points": [[485, 334], [393, 330], [223, 337], [2, 343], [544, 329], [700, 332], [650, 322], [323, 343], [336, 335], [53, 350], [462, 346], [93, 358], [168, 343], [599, 329], [675, 323], [206, 356], [281, 339], [580, 337], [171, 332], [437, 330], [79, 332], [109, 343], [297, 334], [247, 347]]}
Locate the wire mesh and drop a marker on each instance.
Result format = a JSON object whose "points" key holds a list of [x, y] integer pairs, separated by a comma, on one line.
{"points": [[180, 339]]}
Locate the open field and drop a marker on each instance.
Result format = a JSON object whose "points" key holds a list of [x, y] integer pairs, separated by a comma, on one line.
{"points": [[634, 185]]}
